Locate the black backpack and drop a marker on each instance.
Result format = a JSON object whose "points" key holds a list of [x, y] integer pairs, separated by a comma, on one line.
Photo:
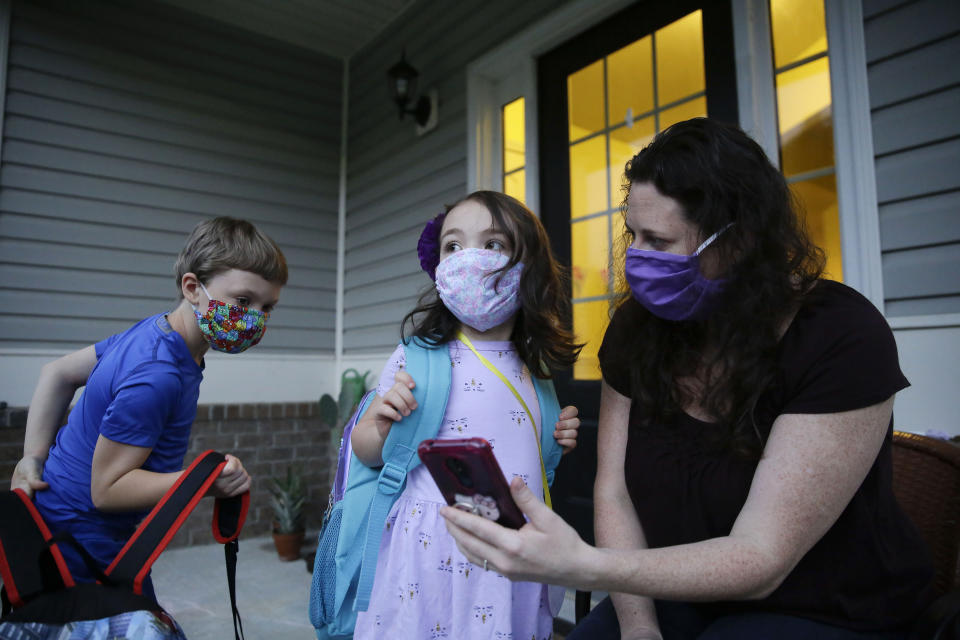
{"points": [[40, 597]]}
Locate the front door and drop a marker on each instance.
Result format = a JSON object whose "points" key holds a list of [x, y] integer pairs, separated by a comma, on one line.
{"points": [[601, 98]]}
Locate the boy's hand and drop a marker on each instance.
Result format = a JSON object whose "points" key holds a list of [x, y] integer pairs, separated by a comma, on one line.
{"points": [[232, 481], [27, 476], [567, 428], [396, 403]]}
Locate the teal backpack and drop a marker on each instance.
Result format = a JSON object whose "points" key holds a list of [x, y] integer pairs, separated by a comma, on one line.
{"points": [[361, 497]]}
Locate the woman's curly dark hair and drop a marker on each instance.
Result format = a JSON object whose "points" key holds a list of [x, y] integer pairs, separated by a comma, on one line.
{"points": [[719, 175], [542, 340]]}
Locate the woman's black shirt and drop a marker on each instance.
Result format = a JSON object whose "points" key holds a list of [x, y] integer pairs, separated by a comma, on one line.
{"points": [[871, 569]]}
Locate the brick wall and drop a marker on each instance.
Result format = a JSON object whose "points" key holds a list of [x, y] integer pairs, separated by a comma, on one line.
{"points": [[266, 437]]}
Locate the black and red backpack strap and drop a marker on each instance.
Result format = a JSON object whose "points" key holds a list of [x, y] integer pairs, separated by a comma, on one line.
{"points": [[30, 563], [153, 535]]}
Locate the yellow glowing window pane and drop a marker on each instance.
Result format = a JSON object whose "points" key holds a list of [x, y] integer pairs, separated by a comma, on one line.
{"points": [[585, 100], [588, 177], [590, 257], [590, 320], [514, 146], [799, 30], [626, 142], [806, 125], [630, 80], [818, 199], [515, 184], [692, 109], [680, 59]]}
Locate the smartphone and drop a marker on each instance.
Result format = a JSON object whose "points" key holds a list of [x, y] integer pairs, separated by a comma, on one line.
{"points": [[469, 478]]}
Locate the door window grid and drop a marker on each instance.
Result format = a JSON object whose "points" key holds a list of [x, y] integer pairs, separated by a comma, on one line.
{"points": [[596, 176], [514, 149], [805, 124]]}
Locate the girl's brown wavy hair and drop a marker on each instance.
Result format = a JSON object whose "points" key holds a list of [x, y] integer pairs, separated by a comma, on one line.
{"points": [[719, 175], [540, 335]]}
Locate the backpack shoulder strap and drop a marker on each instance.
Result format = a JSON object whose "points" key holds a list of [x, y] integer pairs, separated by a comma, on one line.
{"points": [[24, 538], [549, 414], [429, 366], [153, 535], [155, 532]]}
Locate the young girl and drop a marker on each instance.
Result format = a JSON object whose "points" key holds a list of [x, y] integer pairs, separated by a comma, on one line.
{"points": [[498, 290]]}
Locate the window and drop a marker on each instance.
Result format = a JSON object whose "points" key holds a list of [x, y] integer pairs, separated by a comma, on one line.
{"points": [[805, 121], [514, 150], [615, 106]]}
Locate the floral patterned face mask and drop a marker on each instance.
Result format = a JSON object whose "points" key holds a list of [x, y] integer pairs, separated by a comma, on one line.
{"points": [[230, 328], [477, 296]]}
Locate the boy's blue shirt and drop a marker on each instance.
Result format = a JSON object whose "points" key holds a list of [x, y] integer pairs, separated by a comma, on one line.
{"points": [[143, 392]]}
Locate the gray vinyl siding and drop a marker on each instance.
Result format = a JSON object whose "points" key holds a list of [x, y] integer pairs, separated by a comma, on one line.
{"points": [[126, 124], [914, 86], [397, 181]]}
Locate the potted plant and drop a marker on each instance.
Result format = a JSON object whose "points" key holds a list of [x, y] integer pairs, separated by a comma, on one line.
{"points": [[288, 501]]}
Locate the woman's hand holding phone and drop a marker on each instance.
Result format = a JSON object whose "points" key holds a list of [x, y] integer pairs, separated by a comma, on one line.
{"points": [[469, 477]]}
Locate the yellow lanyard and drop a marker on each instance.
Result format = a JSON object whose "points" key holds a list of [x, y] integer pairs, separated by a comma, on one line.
{"points": [[489, 365]]}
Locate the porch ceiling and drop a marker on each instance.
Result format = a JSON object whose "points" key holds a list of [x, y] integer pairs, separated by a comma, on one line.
{"points": [[337, 28]]}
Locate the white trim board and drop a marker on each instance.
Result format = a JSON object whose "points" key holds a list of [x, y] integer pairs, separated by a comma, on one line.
{"points": [[756, 93], [293, 378], [853, 151]]}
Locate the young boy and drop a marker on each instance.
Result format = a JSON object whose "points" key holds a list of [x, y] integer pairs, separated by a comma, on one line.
{"points": [[124, 442]]}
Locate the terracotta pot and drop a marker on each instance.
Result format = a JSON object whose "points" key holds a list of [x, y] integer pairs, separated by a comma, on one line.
{"points": [[288, 545]]}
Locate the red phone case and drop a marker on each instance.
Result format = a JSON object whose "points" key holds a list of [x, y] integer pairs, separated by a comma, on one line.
{"points": [[469, 478]]}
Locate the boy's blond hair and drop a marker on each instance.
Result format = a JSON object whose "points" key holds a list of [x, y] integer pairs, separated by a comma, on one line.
{"points": [[224, 243]]}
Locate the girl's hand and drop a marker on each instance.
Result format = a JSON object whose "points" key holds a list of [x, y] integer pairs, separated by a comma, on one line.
{"points": [[27, 476], [396, 403], [232, 481], [567, 428], [546, 549]]}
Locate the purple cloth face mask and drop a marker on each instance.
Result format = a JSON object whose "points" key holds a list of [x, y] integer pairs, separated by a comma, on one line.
{"points": [[469, 288], [671, 286]]}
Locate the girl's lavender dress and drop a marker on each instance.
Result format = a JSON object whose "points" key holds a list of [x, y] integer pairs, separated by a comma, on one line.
{"points": [[424, 586]]}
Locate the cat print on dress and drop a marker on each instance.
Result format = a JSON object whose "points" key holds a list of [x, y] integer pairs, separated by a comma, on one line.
{"points": [[446, 566], [409, 591], [424, 539], [483, 613], [456, 425], [519, 416], [473, 385]]}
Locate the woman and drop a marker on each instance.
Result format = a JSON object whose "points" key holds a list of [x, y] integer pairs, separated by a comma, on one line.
{"points": [[744, 468]]}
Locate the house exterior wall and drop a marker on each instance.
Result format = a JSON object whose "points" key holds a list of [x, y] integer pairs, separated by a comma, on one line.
{"points": [[915, 115], [127, 124], [396, 180]]}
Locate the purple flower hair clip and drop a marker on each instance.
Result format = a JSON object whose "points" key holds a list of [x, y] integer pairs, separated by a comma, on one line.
{"points": [[428, 247]]}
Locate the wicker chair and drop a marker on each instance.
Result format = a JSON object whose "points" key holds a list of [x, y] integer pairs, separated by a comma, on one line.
{"points": [[926, 481]]}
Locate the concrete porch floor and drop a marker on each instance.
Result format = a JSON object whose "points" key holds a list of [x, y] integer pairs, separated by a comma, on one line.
{"points": [[191, 584]]}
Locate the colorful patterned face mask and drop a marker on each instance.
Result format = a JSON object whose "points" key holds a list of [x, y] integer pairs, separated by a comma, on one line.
{"points": [[477, 296], [230, 328]]}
